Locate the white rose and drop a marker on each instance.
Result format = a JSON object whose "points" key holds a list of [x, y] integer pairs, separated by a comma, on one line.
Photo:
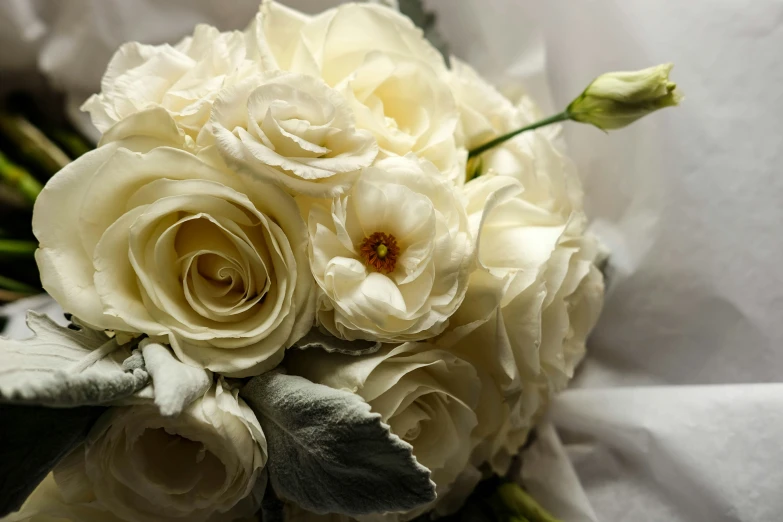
{"points": [[393, 255], [395, 79], [333, 44], [533, 301], [47, 504], [537, 293], [408, 108], [184, 78], [205, 464], [486, 114], [165, 244], [428, 397], [293, 130]]}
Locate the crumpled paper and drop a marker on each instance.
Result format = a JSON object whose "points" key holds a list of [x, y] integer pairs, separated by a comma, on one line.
{"points": [[688, 202], [674, 415]]}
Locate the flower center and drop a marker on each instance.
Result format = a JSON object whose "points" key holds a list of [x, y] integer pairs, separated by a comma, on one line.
{"points": [[380, 251]]}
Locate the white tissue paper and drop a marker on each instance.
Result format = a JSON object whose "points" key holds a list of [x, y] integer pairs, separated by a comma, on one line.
{"points": [[688, 201], [675, 415]]}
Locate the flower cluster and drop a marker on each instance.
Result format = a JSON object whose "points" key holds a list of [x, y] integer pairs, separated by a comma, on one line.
{"points": [[309, 174]]}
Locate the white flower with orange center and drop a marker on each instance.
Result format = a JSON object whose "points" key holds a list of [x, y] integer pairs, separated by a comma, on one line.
{"points": [[393, 255]]}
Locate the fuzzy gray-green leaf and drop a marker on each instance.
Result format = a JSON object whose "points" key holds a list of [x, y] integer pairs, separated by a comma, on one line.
{"points": [[65, 368], [330, 454]]}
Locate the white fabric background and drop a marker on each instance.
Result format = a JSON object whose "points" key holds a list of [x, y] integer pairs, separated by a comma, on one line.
{"points": [[677, 413], [674, 416]]}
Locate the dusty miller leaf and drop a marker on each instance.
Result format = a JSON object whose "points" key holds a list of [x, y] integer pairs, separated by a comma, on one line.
{"points": [[175, 384], [330, 454], [64, 368]]}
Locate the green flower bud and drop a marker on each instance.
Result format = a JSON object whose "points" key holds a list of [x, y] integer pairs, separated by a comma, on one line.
{"points": [[614, 100]]}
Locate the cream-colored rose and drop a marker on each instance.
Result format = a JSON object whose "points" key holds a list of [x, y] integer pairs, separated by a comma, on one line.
{"points": [[293, 130], [393, 255], [537, 293], [335, 43], [408, 108], [530, 305], [166, 243], [486, 114], [184, 78], [137, 466], [47, 504], [395, 80], [428, 397]]}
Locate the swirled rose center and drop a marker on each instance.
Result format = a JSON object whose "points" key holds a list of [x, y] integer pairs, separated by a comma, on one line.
{"points": [[380, 251], [190, 465]]}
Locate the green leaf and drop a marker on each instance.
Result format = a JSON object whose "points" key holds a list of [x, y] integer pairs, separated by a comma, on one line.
{"points": [[19, 178], [17, 247], [63, 367], [424, 19], [16, 286], [31, 145], [316, 339], [330, 454], [33, 440]]}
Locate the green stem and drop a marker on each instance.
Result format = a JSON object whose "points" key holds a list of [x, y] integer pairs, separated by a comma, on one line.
{"points": [[71, 143], [17, 247], [517, 502], [563, 116], [32, 146], [16, 286], [19, 178]]}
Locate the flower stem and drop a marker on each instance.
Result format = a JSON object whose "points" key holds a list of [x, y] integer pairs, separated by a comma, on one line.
{"points": [[19, 178], [34, 148], [563, 116], [512, 500], [524, 504], [16, 286], [17, 247]]}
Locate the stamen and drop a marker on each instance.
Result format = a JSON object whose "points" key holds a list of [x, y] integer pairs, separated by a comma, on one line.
{"points": [[380, 252]]}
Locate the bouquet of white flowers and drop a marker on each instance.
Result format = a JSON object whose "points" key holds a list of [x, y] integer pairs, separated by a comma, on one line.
{"points": [[310, 269]]}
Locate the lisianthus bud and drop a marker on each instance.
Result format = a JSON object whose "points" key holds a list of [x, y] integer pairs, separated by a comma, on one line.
{"points": [[614, 100]]}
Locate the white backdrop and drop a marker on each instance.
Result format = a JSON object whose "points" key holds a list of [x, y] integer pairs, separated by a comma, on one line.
{"points": [[690, 202], [676, 414]]}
